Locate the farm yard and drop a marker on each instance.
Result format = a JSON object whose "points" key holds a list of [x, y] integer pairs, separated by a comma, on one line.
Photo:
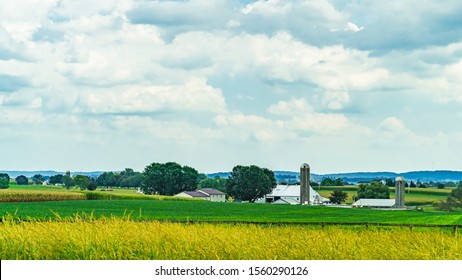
{"points": [[53, 223]]}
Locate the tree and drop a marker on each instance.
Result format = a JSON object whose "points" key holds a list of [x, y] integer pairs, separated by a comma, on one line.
{"points": [[389, 182], [4, 183], [213, 183], [5, 176], [82, 181], [56, 179], [38, 179], [453, 200], [338, 196], [68, 181], [250, 182], [168, 178], [373, 190], [22, 180], [109, 179]]}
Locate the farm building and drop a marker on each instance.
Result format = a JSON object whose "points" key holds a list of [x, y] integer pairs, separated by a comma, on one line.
{"points": [[206, 194], [290, 194], [375, 203]]}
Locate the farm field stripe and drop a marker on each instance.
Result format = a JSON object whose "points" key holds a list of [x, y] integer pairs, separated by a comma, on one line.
{"points": [[114, 239]]}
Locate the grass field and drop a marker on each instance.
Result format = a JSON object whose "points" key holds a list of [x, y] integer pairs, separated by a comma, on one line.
{"points": [[207, 211], [121, 224], [414, 196], [119, 239]]}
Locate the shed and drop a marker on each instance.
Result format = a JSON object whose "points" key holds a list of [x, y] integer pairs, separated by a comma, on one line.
{"points": [[374, 203]]}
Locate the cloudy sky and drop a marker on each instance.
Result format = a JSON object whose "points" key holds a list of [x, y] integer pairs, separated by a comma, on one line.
{"points": [[342, 85]]}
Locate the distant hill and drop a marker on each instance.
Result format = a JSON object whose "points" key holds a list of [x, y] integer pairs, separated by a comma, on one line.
{"points": [[355, 177], [293, 177], [48, 173]]}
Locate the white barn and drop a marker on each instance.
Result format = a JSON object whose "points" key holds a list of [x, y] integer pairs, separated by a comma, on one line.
{"points": [[290, 194]]}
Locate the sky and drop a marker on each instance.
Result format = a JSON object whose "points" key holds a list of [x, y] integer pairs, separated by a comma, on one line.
{"points": [[344, 86]]}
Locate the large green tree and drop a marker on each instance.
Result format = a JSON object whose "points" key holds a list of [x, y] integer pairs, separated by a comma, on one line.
{"points": [[38, 179], [56, 179], [249, 183], [5, 176], [82, 181], [168, 178], [4, 183], [373, 190], [22, 180]]}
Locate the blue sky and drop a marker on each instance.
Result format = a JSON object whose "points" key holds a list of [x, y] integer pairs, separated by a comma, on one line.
{"points": [[342, 85]]}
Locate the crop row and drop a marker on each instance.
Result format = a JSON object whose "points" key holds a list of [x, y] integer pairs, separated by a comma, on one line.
{"points": [[35, 196], [115, 239]]}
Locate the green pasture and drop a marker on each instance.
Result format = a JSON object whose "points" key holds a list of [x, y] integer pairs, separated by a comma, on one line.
{"points": [[169, 210], [414, 196]]}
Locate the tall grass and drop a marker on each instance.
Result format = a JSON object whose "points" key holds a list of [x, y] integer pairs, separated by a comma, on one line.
{"points": [[33, 196], [116, 238], [62, 195]]}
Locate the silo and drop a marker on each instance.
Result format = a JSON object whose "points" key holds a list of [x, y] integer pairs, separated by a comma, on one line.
{"points": [[305, 184], [399, 192]]}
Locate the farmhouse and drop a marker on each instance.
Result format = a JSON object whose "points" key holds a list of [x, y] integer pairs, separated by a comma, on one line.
{"points": [[290, 194], [206, 194]]}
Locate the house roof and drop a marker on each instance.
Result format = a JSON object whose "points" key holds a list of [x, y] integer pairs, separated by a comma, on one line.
{"points": [[211, 191], [196, 194], [294, 191], [375, 202]]}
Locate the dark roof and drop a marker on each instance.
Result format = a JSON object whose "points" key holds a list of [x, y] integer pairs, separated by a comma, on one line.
{"points": [[196, 194], [211, 191]]}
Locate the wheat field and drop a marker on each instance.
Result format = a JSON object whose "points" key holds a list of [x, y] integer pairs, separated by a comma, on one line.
{"points": [[122, 239]]}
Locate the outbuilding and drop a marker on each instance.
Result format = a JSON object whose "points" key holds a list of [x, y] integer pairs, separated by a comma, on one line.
{"points": [[375, 203]]}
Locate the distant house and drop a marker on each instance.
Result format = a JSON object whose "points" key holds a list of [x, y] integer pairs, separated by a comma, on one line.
{"points": [[206, 194], [375, 203]]}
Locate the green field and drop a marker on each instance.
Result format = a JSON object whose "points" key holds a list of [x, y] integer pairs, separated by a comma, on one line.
{"points": [[207, 211], [122, 224], [414, 196]]}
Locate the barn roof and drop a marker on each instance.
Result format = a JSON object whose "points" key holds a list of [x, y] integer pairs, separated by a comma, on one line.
{"points": [[294, 191], [211, 191], [196, 194]]}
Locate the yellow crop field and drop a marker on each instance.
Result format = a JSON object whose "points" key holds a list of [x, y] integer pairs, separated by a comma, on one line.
{"points": [[119, 239], [31, 195]]}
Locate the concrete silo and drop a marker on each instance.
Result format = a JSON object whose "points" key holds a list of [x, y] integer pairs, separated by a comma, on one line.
{"points": [[305, 184], [399, 192]]}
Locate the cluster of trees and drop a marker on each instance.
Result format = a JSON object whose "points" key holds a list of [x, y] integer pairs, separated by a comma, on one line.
{"points": [[125, 179], [373, 190], [326, 181], [246, 183]]}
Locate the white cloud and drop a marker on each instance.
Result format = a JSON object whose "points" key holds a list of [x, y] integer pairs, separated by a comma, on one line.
{"points": [[336, 100], [195, 95]]}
